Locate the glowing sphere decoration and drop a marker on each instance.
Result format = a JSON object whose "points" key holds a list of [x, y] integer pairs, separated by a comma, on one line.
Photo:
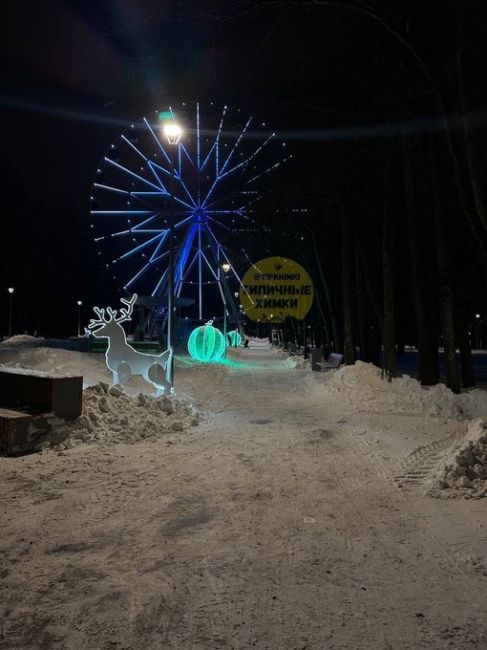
{"points": [[235, 338], [206, 344]]}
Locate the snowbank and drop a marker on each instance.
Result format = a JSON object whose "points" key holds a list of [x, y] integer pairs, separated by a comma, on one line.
{"points": [[22, 340], [112, 416], [365, 388], [463, 469]]}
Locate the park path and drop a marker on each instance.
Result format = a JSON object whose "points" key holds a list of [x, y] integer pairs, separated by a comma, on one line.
{"points": [[276, 524]]}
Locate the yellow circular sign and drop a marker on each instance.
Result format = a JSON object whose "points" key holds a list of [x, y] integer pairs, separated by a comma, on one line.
{"points": [[274, 289]]}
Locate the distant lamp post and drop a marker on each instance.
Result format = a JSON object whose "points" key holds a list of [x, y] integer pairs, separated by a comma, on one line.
{"points": [[11, 292], [477, 330], [79, 303], [173, 133], [226, 266]]}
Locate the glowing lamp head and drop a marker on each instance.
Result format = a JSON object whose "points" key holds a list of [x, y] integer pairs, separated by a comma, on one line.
{"points": [[477, 315], [226, 267], [11, 290], [173, 132], [79, 303]]}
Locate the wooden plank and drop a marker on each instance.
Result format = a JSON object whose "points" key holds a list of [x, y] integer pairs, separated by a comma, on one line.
{"points": [[21, 432], [59, 395]]}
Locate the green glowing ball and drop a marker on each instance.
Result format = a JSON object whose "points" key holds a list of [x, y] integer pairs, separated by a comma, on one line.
{"points": [[235, 338], [206, 344]]}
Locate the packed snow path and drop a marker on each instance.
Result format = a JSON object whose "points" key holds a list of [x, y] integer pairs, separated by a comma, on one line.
{"points": [[275, 524]]}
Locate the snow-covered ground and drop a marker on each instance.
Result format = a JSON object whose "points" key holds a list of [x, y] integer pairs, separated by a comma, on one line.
{"points": [[264, 506]]}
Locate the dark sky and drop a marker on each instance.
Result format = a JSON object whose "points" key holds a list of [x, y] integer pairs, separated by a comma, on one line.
{"points": [[74, 72]]}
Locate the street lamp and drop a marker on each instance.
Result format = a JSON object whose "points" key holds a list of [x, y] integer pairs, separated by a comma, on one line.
{"points": [[226, 266], [173, 133], [477, 330], [79, 303], [11, 292]]}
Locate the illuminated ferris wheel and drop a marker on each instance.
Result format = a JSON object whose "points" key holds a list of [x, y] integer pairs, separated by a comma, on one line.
{"points": [[205, 185]]}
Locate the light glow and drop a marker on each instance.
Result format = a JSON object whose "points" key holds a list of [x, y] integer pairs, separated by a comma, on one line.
{"points": [[206, 344]]}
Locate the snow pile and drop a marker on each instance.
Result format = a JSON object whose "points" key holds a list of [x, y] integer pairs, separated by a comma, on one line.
{"points": [[20, 370], [111, 416], [463, 470], [364, 387], [22, 340]]}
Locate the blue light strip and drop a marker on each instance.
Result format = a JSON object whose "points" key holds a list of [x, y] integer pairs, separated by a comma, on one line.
{"points": [[161, 283], [110, 189], [133, 212], [159, 143], [127, 171], [139, 248], [209, 266], [185, 151], [251, 157], [139, 273], [235, 145], [200, 274], [181, 182], [198, 136], [185, 250]]}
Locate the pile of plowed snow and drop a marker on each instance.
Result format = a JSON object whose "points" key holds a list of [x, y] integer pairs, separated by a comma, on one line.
{"points": [[463, 469], [364, 387], [22, 340], [111, 416]]}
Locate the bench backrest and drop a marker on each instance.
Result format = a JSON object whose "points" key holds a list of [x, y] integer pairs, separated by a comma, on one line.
{"points": [[335, 359]]}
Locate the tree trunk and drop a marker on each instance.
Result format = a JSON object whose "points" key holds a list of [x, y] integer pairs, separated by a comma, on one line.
{"points": [[329, 304], [427, 344], [388, 239], [468, 374], [445, 286], [361, 315], [475, 162], [348, 349]]}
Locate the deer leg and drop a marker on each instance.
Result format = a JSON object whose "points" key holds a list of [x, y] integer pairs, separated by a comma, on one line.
{"points": [[124, 372]]}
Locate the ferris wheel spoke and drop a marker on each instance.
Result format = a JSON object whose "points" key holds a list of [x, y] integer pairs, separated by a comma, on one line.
{"points": [[215, 145], [109, 188], [250, 158], [139, 274], [139, 248], [127, 171], [234, 148], [135, 213], [160, 285], [178, 179], [159, 245], [159, 143], [269, 169], [184, 221], [209, 265]]}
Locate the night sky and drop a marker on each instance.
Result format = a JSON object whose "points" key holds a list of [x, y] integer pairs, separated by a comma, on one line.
{"points": [[337, 82]]}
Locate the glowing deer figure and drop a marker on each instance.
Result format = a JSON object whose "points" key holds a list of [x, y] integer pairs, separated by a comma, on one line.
{"points": [[121, 357]]}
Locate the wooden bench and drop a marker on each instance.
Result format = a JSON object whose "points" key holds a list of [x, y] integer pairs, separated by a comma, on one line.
{"points": [[28, 399], [334, 361]]}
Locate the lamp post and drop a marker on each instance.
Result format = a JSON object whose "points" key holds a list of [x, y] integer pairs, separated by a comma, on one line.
{"points": [[225, 268], [11, 292], [173, 133], [477, 330], [79, 303]]}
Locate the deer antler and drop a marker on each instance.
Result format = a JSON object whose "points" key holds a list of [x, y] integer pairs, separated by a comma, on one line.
{"points": [[125, 311], [101, 320]]}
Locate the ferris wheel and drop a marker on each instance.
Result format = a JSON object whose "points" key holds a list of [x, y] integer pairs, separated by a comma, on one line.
{"points": [[206, 186]]}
